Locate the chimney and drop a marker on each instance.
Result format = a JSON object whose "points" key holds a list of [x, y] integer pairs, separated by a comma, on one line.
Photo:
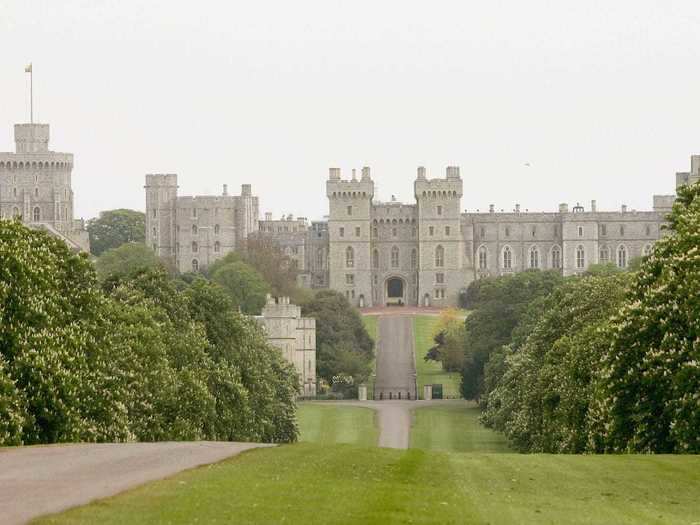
{"points": [[354, 177], [563, 208], [365, 173], [268, 215], [246, 190], [452, 172], [492, 208], [517, 208], [421, 173], [334, 173], [225, 193], [624, 208], [593, 206]]}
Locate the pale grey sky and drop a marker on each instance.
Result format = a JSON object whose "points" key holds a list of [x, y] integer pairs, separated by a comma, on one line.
{"points": [[600, 97]]}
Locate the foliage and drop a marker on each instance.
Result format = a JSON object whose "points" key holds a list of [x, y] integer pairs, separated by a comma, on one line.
{"points": [[650, 396], [543, 383], [114, 228], [449, 342], [126, 259], [498, 304], [244, 285], [343, 345]]}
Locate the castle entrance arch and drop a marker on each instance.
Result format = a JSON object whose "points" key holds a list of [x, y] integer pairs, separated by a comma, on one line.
{"points": [[395, 290]]}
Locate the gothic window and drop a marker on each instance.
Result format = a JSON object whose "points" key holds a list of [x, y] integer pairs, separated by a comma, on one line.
{"points": [[447, 231], [439, 257], [507, 258], [534, 231], [195, 265], [440, 278], [414, 258], [357, 231], [36, 192], [342, 232], [194, 229], [393, 232], [622, 257], [507, 231], [195, 248], [580, 231], [580, 257], [37, 214], [622, 231], [483, 258], [375, 259], [439, 210], [217, 229], [349, 257], [349, 279], [431, 230], [534, 257], [217, 247], [604, 255], [603, 230], [394, 257], [154, 232], [349, 210], [482, 232], [556, 257]]}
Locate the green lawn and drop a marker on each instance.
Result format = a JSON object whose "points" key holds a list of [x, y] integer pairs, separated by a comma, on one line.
{"points": [[336, 423], [454, 428], [370, 322], [309, 484], [429, 373]]}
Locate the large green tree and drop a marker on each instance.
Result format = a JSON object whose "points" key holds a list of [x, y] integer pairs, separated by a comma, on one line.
{"points": [[126, 259], [114, 228], [344, 348], [244, 285], [650, 399]]}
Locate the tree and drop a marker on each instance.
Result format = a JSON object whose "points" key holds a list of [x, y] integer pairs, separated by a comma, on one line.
{"points": [[498, 305], [649, 398], [449, 342], [114, 228], [243, 284], [126, 259], [343, 345]]}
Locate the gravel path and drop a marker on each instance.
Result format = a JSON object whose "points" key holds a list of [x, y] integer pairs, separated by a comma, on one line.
{"points": [[396, 365], [45, 479]]}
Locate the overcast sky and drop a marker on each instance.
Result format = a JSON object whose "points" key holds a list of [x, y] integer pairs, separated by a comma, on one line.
{"points": [[600, 98]]}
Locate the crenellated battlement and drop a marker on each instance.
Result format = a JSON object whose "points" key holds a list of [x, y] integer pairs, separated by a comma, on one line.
{"points": [[443, 188], [353, 188]]}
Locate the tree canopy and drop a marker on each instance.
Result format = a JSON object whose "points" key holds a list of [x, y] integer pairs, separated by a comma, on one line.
{"points": [[126, 259], [114, 228], [244, 285]]}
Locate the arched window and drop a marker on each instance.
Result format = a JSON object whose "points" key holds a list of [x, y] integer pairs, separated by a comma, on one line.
{"points": [[414, 258], [604, 255], [534, 257], [580, 257], [556, 257], [195, 265], [194, 229], [483, 258], [37, 214], [36, 192], [622, 257], [394, 257], [195, 248], [507, 258], [439, 257], [217, 229], [155, 232], [349, 257], [375, 259], [217, 247], [580, 231]]}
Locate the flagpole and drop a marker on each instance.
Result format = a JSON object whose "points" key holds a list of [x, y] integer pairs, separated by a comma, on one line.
{"points": [[31, 94]]}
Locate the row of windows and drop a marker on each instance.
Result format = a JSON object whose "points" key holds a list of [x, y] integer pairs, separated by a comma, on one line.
{"points": [[507, 257], [195, 247], [394, 231], [40, 164], [36, 213], [195, 229], [439, 257], [580, 230]]}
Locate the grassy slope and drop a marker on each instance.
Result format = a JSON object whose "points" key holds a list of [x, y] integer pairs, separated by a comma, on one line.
{"points": [[454, 428], [431, 372], [370, 322], [333, 423], [308, 483]]}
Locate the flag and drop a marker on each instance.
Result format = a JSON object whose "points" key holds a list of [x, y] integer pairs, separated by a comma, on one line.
{"points": [[28, 69]]}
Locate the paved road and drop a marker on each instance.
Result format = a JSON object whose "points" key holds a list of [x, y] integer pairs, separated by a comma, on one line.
{"points": [[46, 479], [396, 366]]}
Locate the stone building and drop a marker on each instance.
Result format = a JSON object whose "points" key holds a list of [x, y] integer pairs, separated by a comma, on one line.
{"points": [[193, 232], [295, 336], [35, 185], [290, 234]]}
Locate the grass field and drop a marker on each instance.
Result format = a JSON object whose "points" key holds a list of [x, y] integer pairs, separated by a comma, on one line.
{"points": [[309, 483], [430, 372], [335, 423], [454, 428]]}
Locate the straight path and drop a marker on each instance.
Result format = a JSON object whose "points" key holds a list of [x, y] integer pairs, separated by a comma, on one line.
{"points": [[396, 366], [45, 479]]}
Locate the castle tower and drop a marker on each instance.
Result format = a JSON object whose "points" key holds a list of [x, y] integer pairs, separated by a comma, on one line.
{"points": [[440, 244], [350, 204], [247, 213], [35, 184], [161, 194]]}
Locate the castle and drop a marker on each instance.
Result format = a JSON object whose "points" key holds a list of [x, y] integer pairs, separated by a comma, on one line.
{"points": [[35, 187], [424, 253]]}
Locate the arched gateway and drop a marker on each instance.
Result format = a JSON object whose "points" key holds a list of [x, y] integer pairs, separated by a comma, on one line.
{"points": [[395, 290]]}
